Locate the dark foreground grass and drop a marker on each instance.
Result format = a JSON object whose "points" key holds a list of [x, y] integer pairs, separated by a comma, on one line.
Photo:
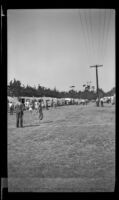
{"points": [[71, 149]]}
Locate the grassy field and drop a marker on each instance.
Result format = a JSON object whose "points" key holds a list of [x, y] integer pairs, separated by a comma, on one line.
{"points": [[72, 149]]}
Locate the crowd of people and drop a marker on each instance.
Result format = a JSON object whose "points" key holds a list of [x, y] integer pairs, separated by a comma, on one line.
{"points": [[19, 108], [37, 105], [107, 100]]}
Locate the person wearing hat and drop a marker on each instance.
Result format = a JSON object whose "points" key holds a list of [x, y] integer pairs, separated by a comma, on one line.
{"points": [[19, 107]]}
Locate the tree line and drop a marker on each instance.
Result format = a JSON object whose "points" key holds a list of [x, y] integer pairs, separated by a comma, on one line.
{"points": [[16, 88]]}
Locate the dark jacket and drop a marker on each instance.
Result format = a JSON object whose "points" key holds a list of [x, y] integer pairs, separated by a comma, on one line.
{"points": [[40, 108], [19, 108]]}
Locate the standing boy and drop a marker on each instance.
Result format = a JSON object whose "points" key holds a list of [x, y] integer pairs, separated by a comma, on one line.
{"points": [[19, 107], [40, 110]]}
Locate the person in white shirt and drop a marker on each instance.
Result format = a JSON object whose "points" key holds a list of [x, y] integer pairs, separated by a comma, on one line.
{"points": [[11, 108], [30, 108]]}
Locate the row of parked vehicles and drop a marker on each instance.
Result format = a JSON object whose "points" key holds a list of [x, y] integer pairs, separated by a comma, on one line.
{"points": [[109, 99], [54, 102]]}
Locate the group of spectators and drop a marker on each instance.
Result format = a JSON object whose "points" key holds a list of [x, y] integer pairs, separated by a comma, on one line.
{"points": [[103, 100], [19, 108], [38, 105], [11, 107]]}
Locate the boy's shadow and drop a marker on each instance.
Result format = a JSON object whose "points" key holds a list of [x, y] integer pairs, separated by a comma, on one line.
{"points": [[32, 125]]}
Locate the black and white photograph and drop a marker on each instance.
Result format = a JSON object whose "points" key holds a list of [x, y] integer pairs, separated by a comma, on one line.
{"points": [[61, 99]]}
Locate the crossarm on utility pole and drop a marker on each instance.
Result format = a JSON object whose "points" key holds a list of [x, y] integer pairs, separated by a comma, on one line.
{"points": [[97, 66]]}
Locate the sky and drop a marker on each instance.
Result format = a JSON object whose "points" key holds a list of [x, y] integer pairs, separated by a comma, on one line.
{"points": [[56, 47]]}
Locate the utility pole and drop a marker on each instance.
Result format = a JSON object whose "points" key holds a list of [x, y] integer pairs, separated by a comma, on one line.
{"points": [[96, 66]]}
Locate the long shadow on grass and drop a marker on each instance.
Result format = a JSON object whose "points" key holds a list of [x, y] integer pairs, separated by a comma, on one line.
{"points": [[45, 122], [32, 125]]}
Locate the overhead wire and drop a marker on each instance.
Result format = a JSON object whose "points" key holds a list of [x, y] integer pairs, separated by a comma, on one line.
{"points": [[97, 28], [83, 31], [91, 34], [95, 34], [107, 34], [101, 35], [93, 24], [91, 31], [103, 38], [88, 32]]}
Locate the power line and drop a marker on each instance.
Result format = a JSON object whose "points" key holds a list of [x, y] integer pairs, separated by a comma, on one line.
{"points": [[90, 17], [88, 31], [101, 34], [107, 34], [98, 26], [84, 30], [93, 25], [82, 25]]}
